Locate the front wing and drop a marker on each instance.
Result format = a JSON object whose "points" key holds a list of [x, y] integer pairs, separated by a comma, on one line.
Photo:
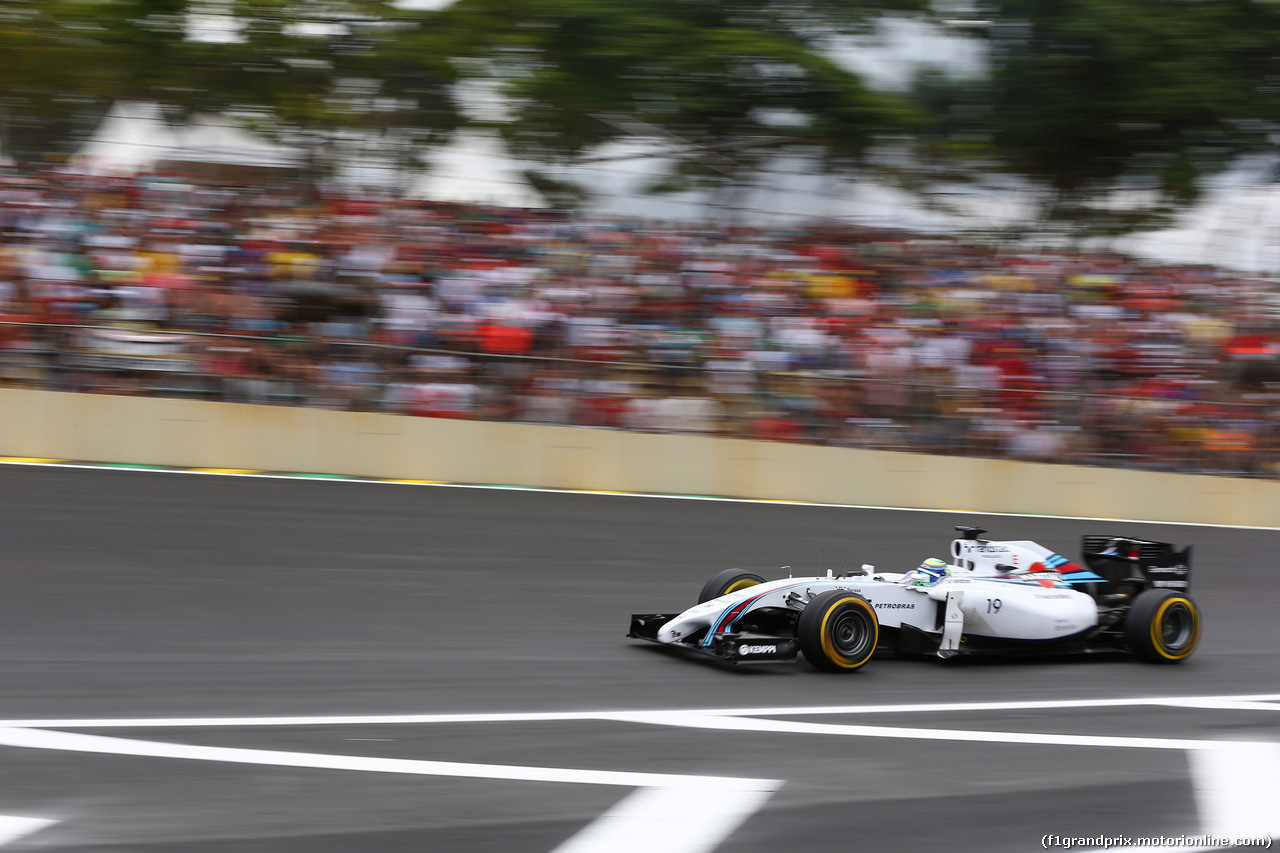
{"points": [[734, 649]]}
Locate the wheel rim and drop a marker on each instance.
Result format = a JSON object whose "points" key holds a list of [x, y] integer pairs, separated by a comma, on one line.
{"points": [[1177, 626], [849, 634]]}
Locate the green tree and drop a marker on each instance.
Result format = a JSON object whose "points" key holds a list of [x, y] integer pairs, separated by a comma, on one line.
{"points": [[723, 85], [1088, 97], [341, 78], [316, 71], [58, 76]]}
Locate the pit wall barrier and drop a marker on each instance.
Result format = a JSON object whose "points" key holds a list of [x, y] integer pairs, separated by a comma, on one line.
{"points": [[197, 434]]}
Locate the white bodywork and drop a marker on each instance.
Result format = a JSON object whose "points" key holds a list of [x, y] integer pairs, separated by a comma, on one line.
{"points": [[998, 590]]}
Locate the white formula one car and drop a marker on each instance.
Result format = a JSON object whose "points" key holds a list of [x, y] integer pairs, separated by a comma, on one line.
{"points": [[1014, 597]]}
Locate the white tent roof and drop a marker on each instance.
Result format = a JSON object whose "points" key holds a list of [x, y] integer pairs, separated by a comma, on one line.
{"points": [[214, 139], [131, 138], [1236, 225], [134, 137], [476, 167]]}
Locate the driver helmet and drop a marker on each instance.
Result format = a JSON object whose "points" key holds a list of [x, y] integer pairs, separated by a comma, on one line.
{"points": [[931, 571]]}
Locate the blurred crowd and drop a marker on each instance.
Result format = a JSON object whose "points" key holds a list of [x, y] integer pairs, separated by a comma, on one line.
{"points": [[261, 290]]}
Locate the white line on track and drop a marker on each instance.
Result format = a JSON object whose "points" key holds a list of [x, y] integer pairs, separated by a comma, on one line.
{"points": [[1235, 788], [1246, 702], [1226, 704], [668, 819], [751, 724], [13, 828], [665, 806], [345, 478], [1228, 777], [71, 742]]}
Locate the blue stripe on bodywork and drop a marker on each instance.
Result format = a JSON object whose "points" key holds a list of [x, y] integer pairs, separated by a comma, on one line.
{"points": [[723, 623]]}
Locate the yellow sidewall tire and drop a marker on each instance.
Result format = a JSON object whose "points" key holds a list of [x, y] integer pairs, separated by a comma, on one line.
{"points": [[838, 631], [1153, 611], [1157, 628], [727, 581]]}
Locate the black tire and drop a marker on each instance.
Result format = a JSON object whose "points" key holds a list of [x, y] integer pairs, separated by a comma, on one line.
{"points": [[723, 583], [838, 631], [1162, 626]]}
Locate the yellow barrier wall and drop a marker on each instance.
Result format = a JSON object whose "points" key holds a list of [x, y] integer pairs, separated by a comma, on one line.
{"points": [[187, 433]]}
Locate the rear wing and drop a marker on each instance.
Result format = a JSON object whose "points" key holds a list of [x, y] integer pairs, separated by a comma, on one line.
{"points": [[1130, 565]]}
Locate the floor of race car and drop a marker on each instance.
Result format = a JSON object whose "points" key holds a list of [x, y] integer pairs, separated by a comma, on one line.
{"points": [[199, 664]]}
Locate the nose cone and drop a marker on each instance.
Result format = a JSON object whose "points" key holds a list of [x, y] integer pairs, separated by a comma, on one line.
{"points": [[669, 633]]}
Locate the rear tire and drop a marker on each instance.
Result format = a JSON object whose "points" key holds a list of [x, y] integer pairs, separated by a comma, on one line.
{"points": [[838, 631], [1162, 626], [723, 583]]}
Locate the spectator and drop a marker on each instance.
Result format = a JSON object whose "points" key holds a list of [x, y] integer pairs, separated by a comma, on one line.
{"points": [[820, 332]]}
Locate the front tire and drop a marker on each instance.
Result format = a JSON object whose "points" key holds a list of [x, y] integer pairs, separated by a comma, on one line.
{"points": [[838, 631], [1162, 626], [723, 583]]}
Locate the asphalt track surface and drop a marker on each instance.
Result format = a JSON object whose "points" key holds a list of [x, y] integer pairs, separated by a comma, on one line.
{"points": [[176, 597]]}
